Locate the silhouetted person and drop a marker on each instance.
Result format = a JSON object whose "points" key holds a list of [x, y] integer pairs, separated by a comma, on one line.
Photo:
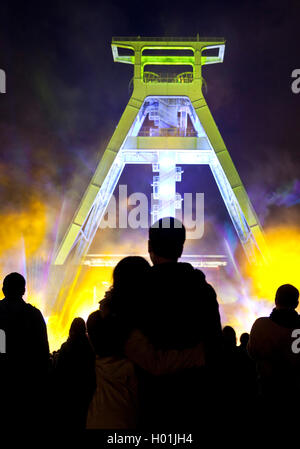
{"points": [[244, 338], [230, 371], [270, 345], [247, 384], [121, 347], [115, 401], [74, 378], [180, 309], [238, 377], [229, 339], [24, 366], [125, 297]]}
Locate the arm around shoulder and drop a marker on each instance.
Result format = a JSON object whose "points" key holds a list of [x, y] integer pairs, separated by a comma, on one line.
{"points": [[157, 362]]}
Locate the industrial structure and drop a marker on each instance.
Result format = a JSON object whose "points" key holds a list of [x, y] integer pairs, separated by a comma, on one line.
{"points": [[167, 124]]}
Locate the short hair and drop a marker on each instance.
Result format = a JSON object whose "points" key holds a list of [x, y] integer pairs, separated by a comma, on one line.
{"points": [[287, 296], [14, 284], [167, 237]]}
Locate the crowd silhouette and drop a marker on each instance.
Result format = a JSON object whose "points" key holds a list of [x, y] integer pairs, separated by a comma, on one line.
{"points": [[153, 356]]}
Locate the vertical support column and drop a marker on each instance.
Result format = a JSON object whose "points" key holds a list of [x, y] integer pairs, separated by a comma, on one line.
{"points": [[137, 64], [167, 184], [197, 66]]}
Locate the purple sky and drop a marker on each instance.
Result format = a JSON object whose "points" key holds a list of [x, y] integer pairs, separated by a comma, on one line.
{"points": [[65, 95]]}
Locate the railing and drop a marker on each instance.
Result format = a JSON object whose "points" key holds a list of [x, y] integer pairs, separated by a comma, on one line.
{"points": [[197, 260], [150, 77], [169, 39], [148, 131]]}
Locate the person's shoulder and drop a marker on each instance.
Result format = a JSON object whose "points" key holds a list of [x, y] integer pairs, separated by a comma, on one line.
{"points": [[33, 310], [200, 278], [29, 306], [94, 316], [93, 321], [64, 348], [261, 322], [200, 275]]}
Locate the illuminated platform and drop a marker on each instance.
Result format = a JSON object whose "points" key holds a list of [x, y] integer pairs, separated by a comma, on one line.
{"points": [[197, 260]]}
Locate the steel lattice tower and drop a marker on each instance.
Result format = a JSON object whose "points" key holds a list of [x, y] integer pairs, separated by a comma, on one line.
{"points": [[182, 131]]}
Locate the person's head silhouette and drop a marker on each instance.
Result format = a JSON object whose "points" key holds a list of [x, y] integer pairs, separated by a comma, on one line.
{"points": [[244, 338], [287, 297], [229, 337], [78, 328], [129, 270], [129, 280], [166, 240], [14, 286]]}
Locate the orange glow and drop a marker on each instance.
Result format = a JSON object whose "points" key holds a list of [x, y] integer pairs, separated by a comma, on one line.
{"points": [[81, 299], [261, 281], [283, 266], [28, 225]]}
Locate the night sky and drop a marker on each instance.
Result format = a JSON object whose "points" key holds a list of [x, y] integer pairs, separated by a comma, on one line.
{"points": [[65, 94]]}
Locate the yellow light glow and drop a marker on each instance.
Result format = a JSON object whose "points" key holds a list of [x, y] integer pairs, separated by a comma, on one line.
{"points": [[28, 224], [82, 299], [283, 265]]}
